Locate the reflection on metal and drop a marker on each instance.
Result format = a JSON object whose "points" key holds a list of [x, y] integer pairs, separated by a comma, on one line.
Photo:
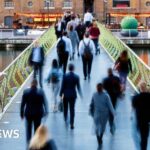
{"points": [[18, 71], [114, 46]]}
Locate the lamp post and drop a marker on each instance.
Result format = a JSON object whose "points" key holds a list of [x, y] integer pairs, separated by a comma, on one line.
{"points": [[48, 4], [105, 11]]}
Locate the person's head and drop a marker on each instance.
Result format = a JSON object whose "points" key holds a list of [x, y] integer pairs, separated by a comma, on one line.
{"points": [[34, 83], [72, 17], [143, 87], [124, 54], [86, 34], [37, 44], [109, 71], [40, 138], [78, 16], [99, 87], [94, 24], [65, 33], [54, 63], [71, 67]]}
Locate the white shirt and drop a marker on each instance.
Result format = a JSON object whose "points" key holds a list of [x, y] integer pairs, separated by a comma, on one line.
{"points": [[71, 23], [82, 46], [68, 44], [59, 26], [88, 17], [36, 54]]}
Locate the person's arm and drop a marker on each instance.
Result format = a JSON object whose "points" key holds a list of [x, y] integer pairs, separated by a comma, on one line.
{"points": [[77, 37], [62, 88], [45, 104], [130, 65], [81, 47], [23, 103], [70, 47], [92, 46], [91, 109], [79, 87]]}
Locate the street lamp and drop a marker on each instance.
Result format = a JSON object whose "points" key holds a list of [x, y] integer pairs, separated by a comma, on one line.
{"points": [[48, 4], [105, 11]]}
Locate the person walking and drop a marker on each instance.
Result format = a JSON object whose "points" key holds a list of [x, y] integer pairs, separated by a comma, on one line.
{"points": [[41, 140], [70, 83], [88, 18], [123, 66], [72, 34], [54, 78], [36, 59], [33, 108], [112, 85], [100, 109], [141, 107], [86, 50], [94, 35], [64, 50]]}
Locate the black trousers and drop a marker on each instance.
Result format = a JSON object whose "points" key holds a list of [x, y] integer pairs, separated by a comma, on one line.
{"points": [[37, 68], [71, 103], [87, 65], [144, 133], [30, 121], [63, 60]]}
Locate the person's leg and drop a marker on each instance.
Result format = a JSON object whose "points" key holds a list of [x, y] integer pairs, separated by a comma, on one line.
{"points": [[35, 68], [95, 43], [90, 66], [65, 61], [72, 112], [65, 103], [28, 129], [84, 67], [40, 75], [37, 122]]}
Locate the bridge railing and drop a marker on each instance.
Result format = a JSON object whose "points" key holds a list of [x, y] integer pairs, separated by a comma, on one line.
{"points": [[19, 70], [114, 46]]}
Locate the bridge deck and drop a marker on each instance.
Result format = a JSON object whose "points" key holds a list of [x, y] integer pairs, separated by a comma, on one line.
{"points": [[82, 137]]}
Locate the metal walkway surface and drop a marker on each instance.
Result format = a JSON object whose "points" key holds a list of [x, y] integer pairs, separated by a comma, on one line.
{"points": [[82, 137]]}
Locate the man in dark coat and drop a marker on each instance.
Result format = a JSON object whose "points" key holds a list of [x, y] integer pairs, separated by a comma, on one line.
{"points": [[33, 108], [112, 85], [141, 105], [70, 82], [36, 59]]}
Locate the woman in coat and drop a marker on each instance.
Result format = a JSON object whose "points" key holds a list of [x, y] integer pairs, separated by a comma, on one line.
{"points": [[100, 109], [41, 141]]}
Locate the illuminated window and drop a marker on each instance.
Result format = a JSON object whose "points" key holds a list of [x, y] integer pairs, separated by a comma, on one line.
{"points": [[8, 4], [121, 3], [49, 3], [67, 4]]}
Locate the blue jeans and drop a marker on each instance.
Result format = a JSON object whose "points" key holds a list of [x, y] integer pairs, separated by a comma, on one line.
{"points": [[123, 79]]}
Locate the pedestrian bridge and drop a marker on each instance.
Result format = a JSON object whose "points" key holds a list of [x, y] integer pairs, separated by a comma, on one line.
{"points": [[17, 76]]}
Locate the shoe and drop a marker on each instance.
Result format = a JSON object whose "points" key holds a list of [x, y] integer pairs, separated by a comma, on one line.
{"points": [[72, 127], [112, 130]]}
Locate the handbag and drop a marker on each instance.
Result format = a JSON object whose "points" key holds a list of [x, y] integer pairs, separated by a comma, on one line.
{"points": [[60, 106]]}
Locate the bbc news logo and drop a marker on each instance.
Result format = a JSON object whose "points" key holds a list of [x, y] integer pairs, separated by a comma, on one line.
{"points": [[9, 134]]}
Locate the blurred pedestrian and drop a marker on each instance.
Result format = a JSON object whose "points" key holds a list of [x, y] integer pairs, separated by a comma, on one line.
{"points": [[112, 85], [141, 106], [123, 66], [100, 109], [86, 50], [88, 18], [64, 50], [72, 23], [54, 78], [70, 83], [36, 60], [33, 108], [72, 34], [94, 35], [41, 140]]}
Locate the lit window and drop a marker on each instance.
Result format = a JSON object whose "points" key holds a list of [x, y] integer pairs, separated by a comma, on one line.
{"points": [[121, 3], [49, 3], [8, 4], [67, 4]]}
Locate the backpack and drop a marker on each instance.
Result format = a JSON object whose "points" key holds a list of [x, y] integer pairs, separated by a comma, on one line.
{"points": [[61, 46], [87, 51], [54, 77]]}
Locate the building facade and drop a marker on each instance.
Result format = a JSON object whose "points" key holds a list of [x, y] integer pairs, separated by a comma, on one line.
{"points": [[37, 11]]}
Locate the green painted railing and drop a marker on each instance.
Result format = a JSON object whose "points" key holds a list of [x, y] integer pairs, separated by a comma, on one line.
{"points": [[114, 46], [18, 71]]}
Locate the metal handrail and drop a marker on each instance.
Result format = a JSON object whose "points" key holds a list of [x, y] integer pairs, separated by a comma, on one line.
{"points": [[19, 70], [114, 46]]}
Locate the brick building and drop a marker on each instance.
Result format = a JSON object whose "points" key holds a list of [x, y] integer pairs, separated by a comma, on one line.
{"points": [[36, 11]]}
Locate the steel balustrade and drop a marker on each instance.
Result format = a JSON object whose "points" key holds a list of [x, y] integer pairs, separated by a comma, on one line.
{"points": [[18, 71], [114, 46]]}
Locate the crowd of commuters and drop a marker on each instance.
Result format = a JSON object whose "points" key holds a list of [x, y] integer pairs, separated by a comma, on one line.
{"points": [[78, 37]]}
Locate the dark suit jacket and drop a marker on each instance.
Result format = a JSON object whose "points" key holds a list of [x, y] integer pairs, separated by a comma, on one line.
{"points": [[70, 82], [42, 56], [33, 103]]}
